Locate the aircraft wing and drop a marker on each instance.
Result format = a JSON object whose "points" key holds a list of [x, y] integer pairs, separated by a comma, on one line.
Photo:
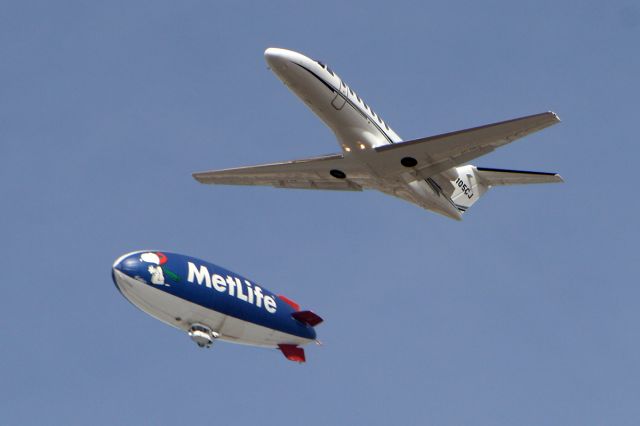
{"points": [[435, 154], [309, 173]]}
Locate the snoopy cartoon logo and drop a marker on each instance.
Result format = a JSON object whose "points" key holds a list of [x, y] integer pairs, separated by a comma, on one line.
{"points": [[156, 269]]}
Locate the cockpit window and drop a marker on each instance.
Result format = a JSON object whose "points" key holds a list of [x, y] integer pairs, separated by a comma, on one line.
{"points": [[330, 72], [321, 64]]}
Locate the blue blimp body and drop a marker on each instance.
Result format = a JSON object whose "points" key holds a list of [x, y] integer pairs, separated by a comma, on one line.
{"points": [[210, 302]]}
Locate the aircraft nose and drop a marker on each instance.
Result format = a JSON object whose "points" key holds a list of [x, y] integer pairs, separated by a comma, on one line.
{"points": [[277, 58], [128, 264]]}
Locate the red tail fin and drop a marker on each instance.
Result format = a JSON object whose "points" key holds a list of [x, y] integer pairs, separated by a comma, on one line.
{"points": [[307, 317], [289, 302], [292, 352]]}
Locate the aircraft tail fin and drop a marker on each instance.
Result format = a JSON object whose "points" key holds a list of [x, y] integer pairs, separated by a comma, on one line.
{"points": [[307, 317], [465, 185], [294, 305], [292, 353]]}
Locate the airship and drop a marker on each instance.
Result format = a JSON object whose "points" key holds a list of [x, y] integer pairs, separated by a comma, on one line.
{"points": [[211, 303]]}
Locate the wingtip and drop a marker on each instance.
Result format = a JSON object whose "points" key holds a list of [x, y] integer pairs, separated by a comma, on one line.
{"points": [[198, 177], [555, 116]]}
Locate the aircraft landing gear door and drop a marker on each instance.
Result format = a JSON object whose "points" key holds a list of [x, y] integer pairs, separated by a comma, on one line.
{"points": [[340, 99]]}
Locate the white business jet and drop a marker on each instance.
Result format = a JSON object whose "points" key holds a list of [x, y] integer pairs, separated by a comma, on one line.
{"points": [[430, 172]]}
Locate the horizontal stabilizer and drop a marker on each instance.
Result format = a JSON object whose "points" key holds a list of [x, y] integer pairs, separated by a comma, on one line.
{"points": [[492, 177], [307, 317], [292, 352], [465, 185]]}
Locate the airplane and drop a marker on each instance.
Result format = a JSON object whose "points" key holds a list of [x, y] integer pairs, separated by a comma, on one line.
{"points": [[431, 172], [209, 302]]}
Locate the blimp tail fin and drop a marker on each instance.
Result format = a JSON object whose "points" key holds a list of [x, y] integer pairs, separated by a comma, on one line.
{"points": [[292, 353], [307, 317], [289, 302]]}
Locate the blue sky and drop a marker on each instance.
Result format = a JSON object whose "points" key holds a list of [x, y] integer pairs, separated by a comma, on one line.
{"points": [[524, 313]]}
